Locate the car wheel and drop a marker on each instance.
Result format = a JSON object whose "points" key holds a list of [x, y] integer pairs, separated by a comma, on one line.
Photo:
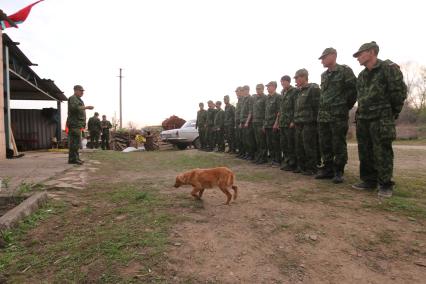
{"points": [[197, 143], [181, 146]]}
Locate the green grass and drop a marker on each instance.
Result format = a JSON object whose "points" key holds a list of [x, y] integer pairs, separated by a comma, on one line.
{"points": [[106, 242]]}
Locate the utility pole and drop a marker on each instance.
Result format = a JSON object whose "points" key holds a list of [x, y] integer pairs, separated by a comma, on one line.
{"points": [[121, 115]]}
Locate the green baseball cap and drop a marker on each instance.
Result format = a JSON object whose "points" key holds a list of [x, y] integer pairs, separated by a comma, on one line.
{"points": [[327, 51], [272, 83], [366, 46], [301, 72]]}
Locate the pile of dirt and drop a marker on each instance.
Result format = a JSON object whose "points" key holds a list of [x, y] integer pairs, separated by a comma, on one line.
{"points": [[121, 139], [173, 122]]}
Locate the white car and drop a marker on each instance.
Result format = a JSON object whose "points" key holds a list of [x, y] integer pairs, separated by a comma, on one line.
{"points": [[182, 137]]}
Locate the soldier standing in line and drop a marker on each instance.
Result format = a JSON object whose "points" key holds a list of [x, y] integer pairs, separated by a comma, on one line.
{"points": [[219, 126], [271, 123], [105, 126], [287, 130], [305, 119], [381, 95], [200, 124], [258, 119], [211, 113], [229, 125], [245, 122], [238, 129], [94, 127], [76, 121], [338, 96]]}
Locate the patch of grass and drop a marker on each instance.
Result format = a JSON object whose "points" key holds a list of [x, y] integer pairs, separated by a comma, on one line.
{"points": [[13, 237], [402, 205]]}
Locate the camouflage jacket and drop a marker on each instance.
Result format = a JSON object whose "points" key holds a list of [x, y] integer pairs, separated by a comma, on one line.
{"points": [[211, 114], [238, 111], [306, 105], [201, 119], [259, 109], [106, 126], [288, 99], [219, 119], [338, 94], [246, 108], [94, 124], [381, 91], [272, 107], [76, 115], [229, 115]]}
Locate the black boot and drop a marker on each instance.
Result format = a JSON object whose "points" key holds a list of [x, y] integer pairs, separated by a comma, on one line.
{"points": [[326, 172], [386, 190], [338, 177]]}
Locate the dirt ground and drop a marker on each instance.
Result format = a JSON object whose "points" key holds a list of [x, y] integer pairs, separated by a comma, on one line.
{"points": [[283, 228]]}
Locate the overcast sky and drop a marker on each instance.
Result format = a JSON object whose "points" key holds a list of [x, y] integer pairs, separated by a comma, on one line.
{"points": [[175, 54]]}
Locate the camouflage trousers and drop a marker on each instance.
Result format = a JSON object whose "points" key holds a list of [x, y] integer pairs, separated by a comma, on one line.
{"points": [[259, 135], [287, 140], [273, 144], [94, 139], [105, 141], [74, 142], [202, 136], [230, 137], [238, 144], [220, 139], [249, 144], [211, 139], [306, 139], [332, 139], [375, 150]]}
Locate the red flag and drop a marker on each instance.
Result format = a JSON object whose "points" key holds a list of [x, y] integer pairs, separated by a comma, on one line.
{"points": [[19, 16]]}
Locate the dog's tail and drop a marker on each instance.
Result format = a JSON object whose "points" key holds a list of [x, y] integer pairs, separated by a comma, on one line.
{"points": [[235, 188]]}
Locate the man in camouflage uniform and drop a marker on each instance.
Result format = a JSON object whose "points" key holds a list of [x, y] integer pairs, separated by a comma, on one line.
{"points": [[219, 126], [305, 119], [271, 123], [106, 126], [211, 113], [381, 95], [94, 127], [338, 96], [229, 124], [287, 130], [258, 119], [238, 143], [200, 124], [245, 124], [76, 121]]}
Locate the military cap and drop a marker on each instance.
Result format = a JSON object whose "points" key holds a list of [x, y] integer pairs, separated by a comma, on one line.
{"points": [[226, 97], [218, 103], [260, 86], [301, 72], [96, 113], [78, 88], [327, 51], [246, 87], [272, 83], [210, 102], [238, 89], [286, 78], [367, 46]]}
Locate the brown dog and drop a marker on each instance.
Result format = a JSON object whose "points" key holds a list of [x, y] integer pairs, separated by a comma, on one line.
{"points": [[201, 179]]}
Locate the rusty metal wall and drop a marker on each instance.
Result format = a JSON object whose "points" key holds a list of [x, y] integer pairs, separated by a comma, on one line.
{"points": [[32, 130]]}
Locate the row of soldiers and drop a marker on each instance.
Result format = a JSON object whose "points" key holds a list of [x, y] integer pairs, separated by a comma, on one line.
{"points": [[304, 128], [98, 128]]}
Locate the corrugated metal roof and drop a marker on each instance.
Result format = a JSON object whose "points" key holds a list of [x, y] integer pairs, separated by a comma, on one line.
{"points": [[25, 84]]}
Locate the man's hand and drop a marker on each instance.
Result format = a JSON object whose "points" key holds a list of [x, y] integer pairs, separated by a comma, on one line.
{"points": [[291, 125], [89, 107]]}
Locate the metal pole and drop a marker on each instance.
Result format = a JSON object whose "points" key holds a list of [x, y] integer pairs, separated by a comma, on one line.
{"points": [[59, 123], [121, 114], [8, 124]]}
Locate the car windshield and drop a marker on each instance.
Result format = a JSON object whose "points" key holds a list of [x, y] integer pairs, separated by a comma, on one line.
{"points": [[190, 123]]}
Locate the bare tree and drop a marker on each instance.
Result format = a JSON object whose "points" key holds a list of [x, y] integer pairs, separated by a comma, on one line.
{"points": [[415, 78], [115, 121]]}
